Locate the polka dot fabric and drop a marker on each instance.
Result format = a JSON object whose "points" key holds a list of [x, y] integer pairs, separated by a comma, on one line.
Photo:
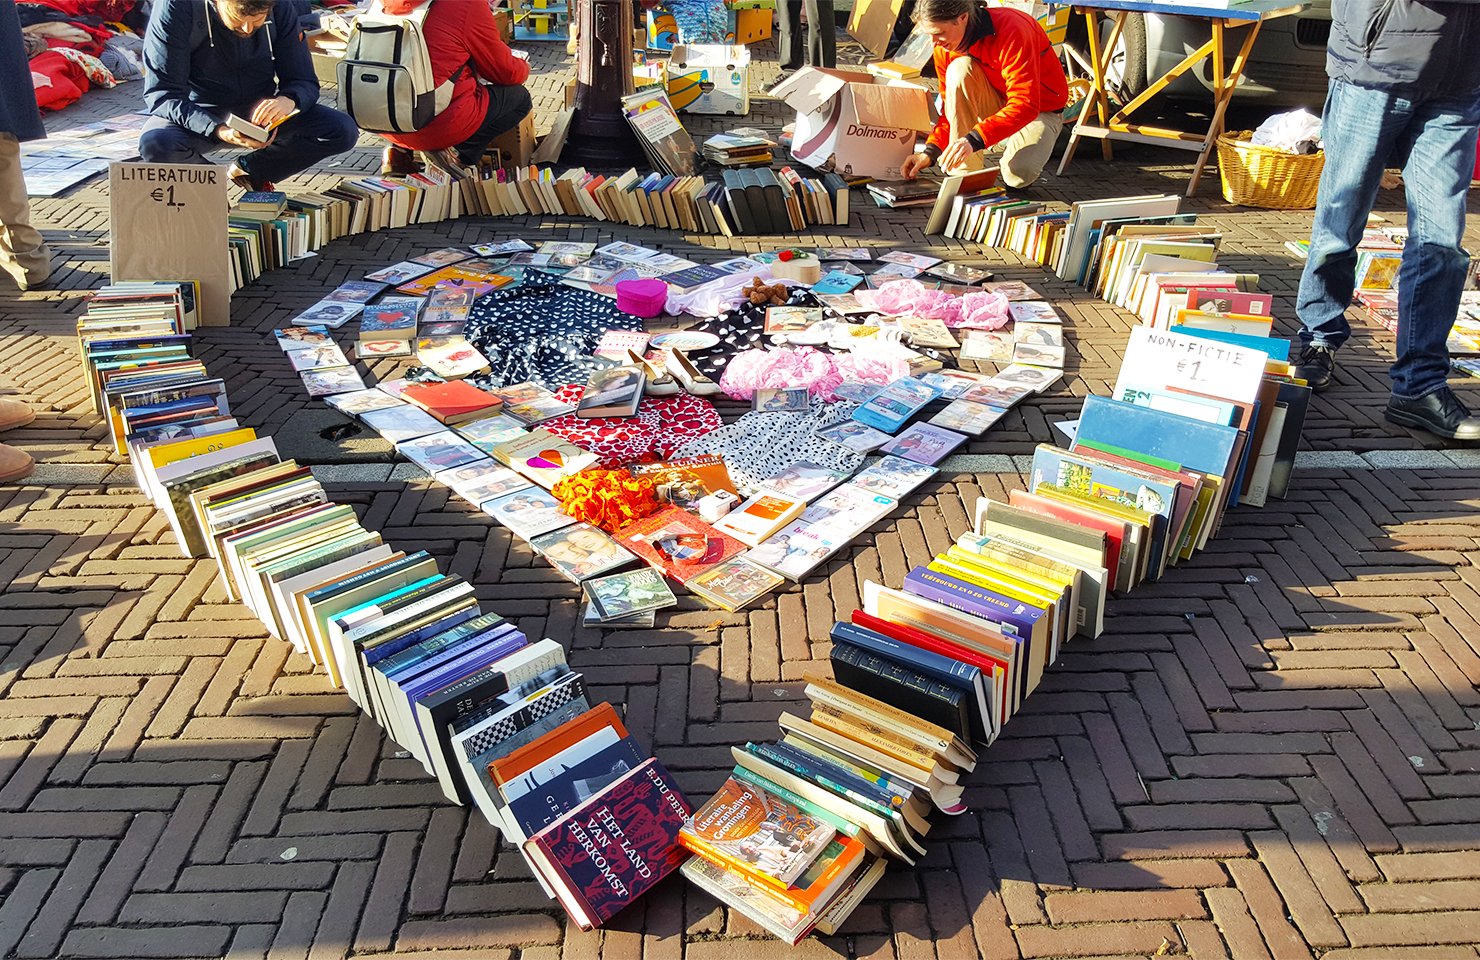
{"points": [[661, 426], [542, 331], [761, 445], [739, 330]]}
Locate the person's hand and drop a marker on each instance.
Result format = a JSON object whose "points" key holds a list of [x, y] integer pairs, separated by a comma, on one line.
{"points": [[58, 31], [911, 168], [956, 154], [271, 111], [238, 139]]}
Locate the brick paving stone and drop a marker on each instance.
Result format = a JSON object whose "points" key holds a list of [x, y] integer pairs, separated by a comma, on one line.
{"points": [[1366, 930], [1149, 874], [1267, 909], [300, 920], [21, 904], [184, 940], [1096, 939], [1124, 905], [1231, 914]]}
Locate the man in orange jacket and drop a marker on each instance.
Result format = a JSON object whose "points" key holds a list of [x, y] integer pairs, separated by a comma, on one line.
{"points": [[1001, 84]]}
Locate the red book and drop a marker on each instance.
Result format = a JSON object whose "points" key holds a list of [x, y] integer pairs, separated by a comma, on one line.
{"points": [[678, 543], [614, 847], [452, 402]]}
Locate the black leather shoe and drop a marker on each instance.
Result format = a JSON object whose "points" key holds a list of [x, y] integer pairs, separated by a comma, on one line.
{"points": [[1440, 413], [1315, 364]]}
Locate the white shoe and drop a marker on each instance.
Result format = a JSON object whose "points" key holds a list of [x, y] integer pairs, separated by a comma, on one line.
{"points": [[687, 374], [659, 384]]}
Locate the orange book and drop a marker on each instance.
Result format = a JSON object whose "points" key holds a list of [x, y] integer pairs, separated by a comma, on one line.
{"points": [[568, 734], [452, 402]]}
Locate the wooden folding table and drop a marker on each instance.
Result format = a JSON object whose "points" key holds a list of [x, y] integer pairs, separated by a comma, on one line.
{"points": [[1247, 14]]}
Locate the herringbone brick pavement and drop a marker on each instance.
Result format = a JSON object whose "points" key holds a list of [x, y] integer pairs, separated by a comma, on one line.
{"points": [[1272, 752]]}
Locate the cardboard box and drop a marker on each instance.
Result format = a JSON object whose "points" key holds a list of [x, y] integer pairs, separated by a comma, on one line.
{"points": [[850, 123], [872, 23], [516, 145], [662, 30], [326, 50], [753, 25], [505, 24], [570, 93], [710, 78]]}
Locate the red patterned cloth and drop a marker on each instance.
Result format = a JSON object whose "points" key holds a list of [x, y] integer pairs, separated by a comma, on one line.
{"points": [[662, 425]]}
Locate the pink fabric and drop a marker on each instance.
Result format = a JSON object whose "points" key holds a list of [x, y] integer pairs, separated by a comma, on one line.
{"points": [[819, 372], [911, 298], [662, 425]]}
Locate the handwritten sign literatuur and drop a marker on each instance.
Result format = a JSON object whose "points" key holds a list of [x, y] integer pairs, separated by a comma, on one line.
{"points": [[168, 222], [1161, 358]]}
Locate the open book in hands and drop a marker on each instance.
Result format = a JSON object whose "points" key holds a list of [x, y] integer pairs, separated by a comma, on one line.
{"points": [[256, 131]]}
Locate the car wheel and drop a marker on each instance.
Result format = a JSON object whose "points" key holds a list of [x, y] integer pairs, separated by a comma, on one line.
{"points": [[1126, 72]]}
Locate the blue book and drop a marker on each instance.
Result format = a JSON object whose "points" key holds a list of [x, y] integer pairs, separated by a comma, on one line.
{"points": [[443, 622], [397, 656], [386, 681], [892, 407], [836, 282], [938, 667], [546, 801], [1197, 445], [1278, 348]]}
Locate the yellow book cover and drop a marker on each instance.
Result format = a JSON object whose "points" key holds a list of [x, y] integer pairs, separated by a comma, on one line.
{"points": [[194, 447]]}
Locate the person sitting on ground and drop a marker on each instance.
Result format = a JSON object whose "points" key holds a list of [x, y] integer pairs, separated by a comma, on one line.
{"points": [[205, 59], [1001, 83], [463, 42]]}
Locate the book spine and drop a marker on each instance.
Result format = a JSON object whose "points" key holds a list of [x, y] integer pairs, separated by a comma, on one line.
{"points": [[958, 596], [893, 682], [948, 671], [808, 771], [842, 824]]}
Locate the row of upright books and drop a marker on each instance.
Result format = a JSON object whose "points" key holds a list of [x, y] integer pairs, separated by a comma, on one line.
{"points": [[1204, 415], [267, 229], [494, 717]]}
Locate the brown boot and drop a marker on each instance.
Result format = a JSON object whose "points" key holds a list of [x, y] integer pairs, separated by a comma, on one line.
{"points": [[13, 414], [14, 464]]}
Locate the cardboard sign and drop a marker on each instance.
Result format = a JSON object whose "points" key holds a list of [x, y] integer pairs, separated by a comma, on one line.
{"points": [[1191, 363], [167, 221], [712, 77], [872, 23]]}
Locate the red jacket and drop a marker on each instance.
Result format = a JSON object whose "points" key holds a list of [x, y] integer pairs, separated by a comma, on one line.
{"points": [[1021, 63], [457, 32]]}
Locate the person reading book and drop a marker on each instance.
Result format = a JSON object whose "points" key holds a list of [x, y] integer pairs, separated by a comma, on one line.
{"points": [[208, 60], [488, 95], [1002, 85]]}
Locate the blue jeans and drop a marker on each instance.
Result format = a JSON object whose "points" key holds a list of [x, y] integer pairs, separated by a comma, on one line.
{"points": [[1433, 140], [301, 141]]}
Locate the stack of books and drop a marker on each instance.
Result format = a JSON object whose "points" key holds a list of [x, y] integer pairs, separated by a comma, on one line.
{"points": [[730, 150], [764, 201]]}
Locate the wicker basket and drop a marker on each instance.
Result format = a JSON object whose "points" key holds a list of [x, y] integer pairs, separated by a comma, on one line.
{"points": [[1264, 177]]}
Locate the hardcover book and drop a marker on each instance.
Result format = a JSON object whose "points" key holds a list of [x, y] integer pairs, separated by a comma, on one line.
{"points": [[613, 392], [614, 847], [453, 402], [393, 318]]}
